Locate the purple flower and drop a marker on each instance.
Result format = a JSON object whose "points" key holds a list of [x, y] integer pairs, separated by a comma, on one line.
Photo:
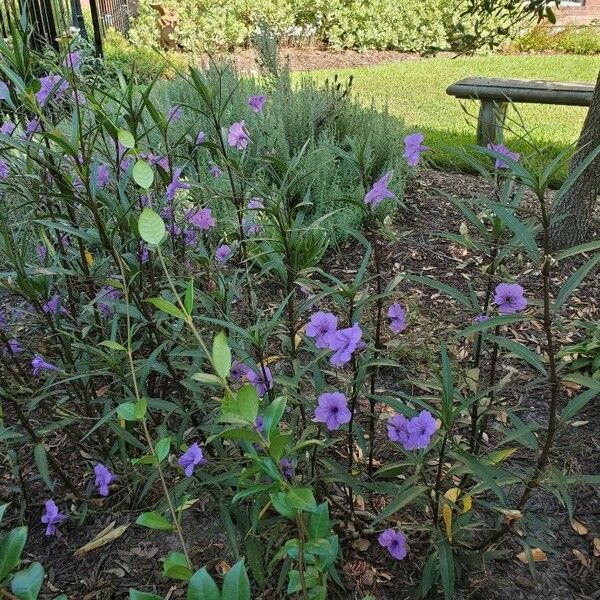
{"points": [[105, 298], [256, 103], [259, 424], [32, 127], [262, 381], [397, 316], [39, 365], [256, 203], [332, 409], [200, 138], [250, 227], [190, 238], [41, 252], [4, 169], [13, 347], [52, 517], [103, 478], [72, 60], [413, 146], [397, 428], [344, 343], [176, 184], [201, 218], [380, 190], [238, 135], [239, 372], [481, 319], [51, 85], [215, 171], [7, 128], [190, 458], [53, 306], [420, 429], [395, 542], [509, 298], [64, 240], [502, 149], [175, 113], [143, 253], [222, 253], [323, 327], [161, 161], [287, 468]]}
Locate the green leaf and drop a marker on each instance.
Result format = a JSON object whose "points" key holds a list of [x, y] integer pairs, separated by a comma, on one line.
{"points": [[318, 522], [176, 566], [446, 568], [490, 323], [26, 584], [587, 247], [485, 472], [203, 587], [221, 355], [521, 351], [207, 378], [524, 234], [127, 411], [188, 300], [273, 415], [3, 508], [281, 505], [408, 495], [151, 227], [302, 499], [167, 307], [143, 174], [154, 520], [573, 282], [41, 461], [236, 585], [244, 404], [442, 287], [577, 403], [11, 547], [161, 450], [113, 345], [135, 595], [126, 138]]}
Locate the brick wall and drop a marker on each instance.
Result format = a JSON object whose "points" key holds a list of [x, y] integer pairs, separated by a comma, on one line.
{"points": [[580, 15]]}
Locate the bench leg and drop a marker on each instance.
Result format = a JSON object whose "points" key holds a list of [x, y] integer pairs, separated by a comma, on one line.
{"points": [[491, 122]]}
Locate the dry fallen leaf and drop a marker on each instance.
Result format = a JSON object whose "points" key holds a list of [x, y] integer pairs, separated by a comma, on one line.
{"points": [[510, 516], [106, 536], [222, 567], [596, 544], [581, 557], [361, 544], [579, 423], [537, 554], [579, 527]]}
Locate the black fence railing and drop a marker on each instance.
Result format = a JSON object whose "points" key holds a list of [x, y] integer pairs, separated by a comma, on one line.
{"points": [[50, 19]]}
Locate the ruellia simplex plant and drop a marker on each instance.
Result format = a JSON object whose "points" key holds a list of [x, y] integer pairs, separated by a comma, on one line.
{"points": [[168, 310]]}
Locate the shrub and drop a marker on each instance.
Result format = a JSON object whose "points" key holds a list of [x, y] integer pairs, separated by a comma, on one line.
{"points": [[570, 40]]}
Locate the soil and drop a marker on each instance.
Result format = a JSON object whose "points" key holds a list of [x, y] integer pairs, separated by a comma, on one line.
{"points": [[134, 559]]}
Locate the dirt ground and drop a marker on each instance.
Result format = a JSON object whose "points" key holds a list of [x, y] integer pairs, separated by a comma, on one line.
{"points": [[134, 560]]}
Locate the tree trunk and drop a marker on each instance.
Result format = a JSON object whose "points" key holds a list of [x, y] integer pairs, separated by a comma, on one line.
{"points": [[577, 205]]}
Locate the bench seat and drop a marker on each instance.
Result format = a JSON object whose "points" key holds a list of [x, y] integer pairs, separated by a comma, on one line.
{"points": [[495, 94]]}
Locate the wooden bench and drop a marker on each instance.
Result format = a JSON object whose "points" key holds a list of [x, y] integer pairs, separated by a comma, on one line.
{"points": [[495, 94]]}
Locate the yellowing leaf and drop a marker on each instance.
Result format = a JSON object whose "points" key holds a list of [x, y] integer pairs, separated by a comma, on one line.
{"points": [[89, 257], [104, 537], [451, 495], [500, 455], [537, 554], [467, 504], [579, 527]]}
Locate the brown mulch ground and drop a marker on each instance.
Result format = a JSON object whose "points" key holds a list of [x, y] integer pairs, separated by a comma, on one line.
{"points": [[135, 558]]}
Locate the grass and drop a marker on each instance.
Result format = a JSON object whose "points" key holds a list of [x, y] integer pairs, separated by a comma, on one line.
{"points": [[415, 90]]}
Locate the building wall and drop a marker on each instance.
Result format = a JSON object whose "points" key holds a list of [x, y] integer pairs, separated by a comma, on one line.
{"points": [[579, 15]]}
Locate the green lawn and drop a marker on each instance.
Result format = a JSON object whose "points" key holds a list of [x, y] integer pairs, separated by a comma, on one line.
{"points": [[415, 90]]}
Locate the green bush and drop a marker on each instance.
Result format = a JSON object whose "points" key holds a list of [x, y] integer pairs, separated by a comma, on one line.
{"points": [[409, 25], [570, 40]]}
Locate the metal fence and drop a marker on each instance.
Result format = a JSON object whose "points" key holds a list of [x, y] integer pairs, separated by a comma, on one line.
{"points": [[49, 19]]}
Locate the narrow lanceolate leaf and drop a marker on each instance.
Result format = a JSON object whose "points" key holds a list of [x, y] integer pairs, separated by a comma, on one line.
{"points": [[442, 287], [523, 233], [490, 323], [41, 462], [221, 355], [143, 174], [153, 520], [151, 227], [587, 247], [11, 547], [573, 282], [136, 595], [167, 307], [400, 501], [446, 568], [236, 585], [521, 351], [578, 403]]}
